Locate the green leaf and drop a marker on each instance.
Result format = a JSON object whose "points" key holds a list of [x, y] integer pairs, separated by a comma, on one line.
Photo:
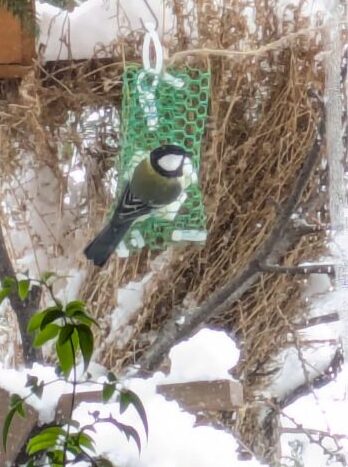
{"points": [[46, 275], [21, 410], [41, 445], [7, 425], [86, 342], [15, 399], [46, 439], [84, 318], [35, 321], [86, 441], [23, 288], [108, 391], [128, 397], [9, 282], [65, 356], [65, 333], [48, 333], [57, 457], [4, 293], [16, 404], [75, 305], [51, 315]]}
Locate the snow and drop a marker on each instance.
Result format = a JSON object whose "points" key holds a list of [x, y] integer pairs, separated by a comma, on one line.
{"points": [[62, 33], [212, 354], [129, 300], [174, 440], [329, 415], [14, 381]]}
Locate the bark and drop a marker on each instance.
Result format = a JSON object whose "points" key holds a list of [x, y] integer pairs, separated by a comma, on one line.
{"points": [[23, 309]]}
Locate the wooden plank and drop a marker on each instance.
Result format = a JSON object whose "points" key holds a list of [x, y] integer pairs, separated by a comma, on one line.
{"points": [[64, 404], [19, 430], [17, 43], [10, 38], [217, 395], [205, 395], [13, 71]]}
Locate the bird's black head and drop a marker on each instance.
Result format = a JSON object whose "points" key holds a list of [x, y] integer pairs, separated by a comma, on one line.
{"points": [[168, 160]]}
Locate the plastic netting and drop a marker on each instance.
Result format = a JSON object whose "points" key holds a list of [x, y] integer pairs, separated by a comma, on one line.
{"points": [[156, 110]]}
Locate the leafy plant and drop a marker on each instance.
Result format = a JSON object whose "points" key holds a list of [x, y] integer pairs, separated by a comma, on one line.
{"points": [[69, 327]]}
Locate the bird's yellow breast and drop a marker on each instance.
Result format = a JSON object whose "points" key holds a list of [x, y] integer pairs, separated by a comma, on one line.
{"points": [[152, 187]]}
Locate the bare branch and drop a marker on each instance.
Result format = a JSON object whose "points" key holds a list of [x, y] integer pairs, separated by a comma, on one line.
{"points": [[324, 319], [324, 378], [310, 269], [319, 433], [282, 236]]}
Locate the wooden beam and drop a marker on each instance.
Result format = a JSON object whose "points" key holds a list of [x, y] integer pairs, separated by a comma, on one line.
{"points": [[13, 71], [216, 395], [64, 404], [17, 45], [19, 430]]}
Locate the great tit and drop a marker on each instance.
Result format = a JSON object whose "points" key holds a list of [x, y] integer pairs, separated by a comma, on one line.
{"points": [[156, 182]]}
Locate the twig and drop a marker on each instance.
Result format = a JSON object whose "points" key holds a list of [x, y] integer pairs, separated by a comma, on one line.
{"points": [[309, 433], [324, 378], [310, 269], [324, 319], [280, 43], [321, 434]]}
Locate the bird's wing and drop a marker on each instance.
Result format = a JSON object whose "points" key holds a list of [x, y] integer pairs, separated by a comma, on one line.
{"points": [[130, 207]]}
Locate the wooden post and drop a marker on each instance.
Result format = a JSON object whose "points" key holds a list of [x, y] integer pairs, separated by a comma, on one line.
{"points": [[217, 395], [17, 45], [19, 430]]}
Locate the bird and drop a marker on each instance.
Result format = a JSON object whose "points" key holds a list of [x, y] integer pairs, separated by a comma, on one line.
{"points": [[157, 181]]}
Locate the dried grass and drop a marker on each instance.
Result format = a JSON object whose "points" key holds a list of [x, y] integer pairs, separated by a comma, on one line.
{"points": [[259, 132]]}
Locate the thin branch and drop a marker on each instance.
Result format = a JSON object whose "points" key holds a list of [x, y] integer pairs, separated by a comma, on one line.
{"points": [[321, 434], [309, 433], [238, 54], [318, 382], [324, 319], [183, 323], [310, 269]]}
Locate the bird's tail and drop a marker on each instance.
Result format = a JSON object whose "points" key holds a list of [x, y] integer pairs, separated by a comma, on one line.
{"points": [[101, 248]]}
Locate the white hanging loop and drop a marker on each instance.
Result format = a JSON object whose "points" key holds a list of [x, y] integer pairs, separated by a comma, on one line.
{"points": [[152, 35], [146, 84]]}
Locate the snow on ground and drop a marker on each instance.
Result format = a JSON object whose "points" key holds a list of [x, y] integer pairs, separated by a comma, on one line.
{"points": [[173, 441]]}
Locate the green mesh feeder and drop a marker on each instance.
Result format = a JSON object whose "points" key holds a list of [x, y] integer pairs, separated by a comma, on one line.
{"points": [[169, 108]]}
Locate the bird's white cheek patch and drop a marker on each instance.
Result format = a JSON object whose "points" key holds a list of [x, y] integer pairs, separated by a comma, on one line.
{"points": [[170, 162]]}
